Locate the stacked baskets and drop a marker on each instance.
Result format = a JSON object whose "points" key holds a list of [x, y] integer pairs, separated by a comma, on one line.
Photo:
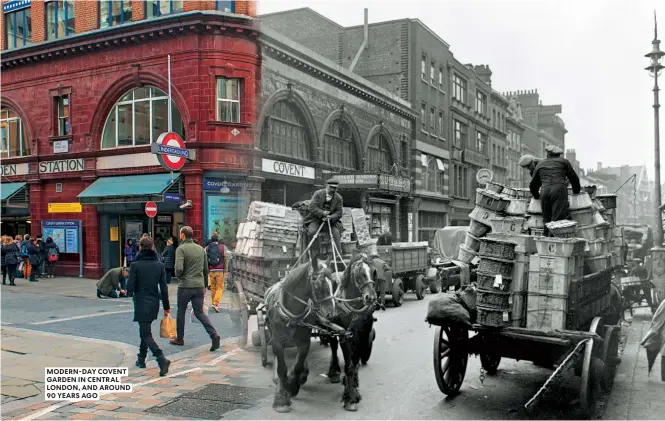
{"points": [[495, 270], [489, 205]]}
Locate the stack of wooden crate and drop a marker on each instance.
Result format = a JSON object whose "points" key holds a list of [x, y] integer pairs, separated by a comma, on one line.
{"points": [[489, 205], [495, 270], [271, 231], [618, 247]]}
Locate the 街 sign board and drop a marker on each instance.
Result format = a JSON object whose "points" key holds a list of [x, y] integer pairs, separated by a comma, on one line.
{"points": [[67, 235]]}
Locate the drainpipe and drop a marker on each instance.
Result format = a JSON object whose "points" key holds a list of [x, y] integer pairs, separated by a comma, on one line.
{"points": [[363, 45]]}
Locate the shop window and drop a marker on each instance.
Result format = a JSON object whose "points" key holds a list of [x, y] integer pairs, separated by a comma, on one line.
{"points": [[18, 28], [59, 19], [228, 100], [378, 152], [12, 135], [114, 12], [226, 6], [139, 117], [157, 8], [339, 149], [62, 115], [284, 132]]}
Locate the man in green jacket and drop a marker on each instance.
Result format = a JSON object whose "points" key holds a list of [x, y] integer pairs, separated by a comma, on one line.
{"points": [[191, 269], [114, 280]]}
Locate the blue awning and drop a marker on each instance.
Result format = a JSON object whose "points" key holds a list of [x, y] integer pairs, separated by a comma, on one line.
{"points": [[8, 190], [130, 189]]}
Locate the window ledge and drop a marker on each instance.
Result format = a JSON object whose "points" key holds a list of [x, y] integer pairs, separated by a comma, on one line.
{"points": [[423, 131], [226, 123], [58, 138], [442, 91]]}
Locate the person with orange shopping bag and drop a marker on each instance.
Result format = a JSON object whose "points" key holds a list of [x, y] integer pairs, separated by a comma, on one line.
{"points": [[147, 283]]}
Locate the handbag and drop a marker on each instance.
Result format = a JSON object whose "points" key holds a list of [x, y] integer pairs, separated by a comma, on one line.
{"points": [[167, 328]]}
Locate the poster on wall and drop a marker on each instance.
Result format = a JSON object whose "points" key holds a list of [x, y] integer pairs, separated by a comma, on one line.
{"points": [[223, 217], [65, 234], [133, 230]]}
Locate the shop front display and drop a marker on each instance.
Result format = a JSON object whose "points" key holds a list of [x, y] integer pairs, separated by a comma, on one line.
{"points": [[225, 202]]}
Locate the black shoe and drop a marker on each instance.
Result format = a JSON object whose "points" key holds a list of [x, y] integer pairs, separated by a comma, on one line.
{"points": [[140, 360], [12, 284], [99, 294], [163, 365], [215, 343]]}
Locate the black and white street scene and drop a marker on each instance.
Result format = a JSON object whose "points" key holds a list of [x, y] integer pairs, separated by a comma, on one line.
{"points": [[298, 209]]}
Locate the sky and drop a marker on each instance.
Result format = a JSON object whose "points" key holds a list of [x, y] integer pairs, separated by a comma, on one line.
{"points": [[587, 55]]}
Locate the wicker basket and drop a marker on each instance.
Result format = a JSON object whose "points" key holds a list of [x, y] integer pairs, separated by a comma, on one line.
{"points": [[466, 255], [494, 299], [495, 248], [508, 225], [535, 207], [472, 242], [517, 207], [486, 281], [609, 201], [478, 229], [492, 316], [582, 216], [494, 187], [524, 194], [561, 228], [496, 266], [579, 201], [509, 192], [490, 200]]}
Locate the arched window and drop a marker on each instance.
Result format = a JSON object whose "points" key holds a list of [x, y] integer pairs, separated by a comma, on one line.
{"points": [[378, 153], [139, 117], [338, 146], [284, 132], [14, 142]]}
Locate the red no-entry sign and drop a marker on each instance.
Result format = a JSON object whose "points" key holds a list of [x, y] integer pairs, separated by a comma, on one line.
{"points": [[151, 209]]}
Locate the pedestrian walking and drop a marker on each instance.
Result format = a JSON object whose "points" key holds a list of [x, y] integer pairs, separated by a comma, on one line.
{"points": [[18, 241], [130, 252], [550, 184], [33, 257], [114, 281], [11, 255], [168, 257], [147, 282], [42, 255], [27, 267], [191, 268], [52, 256], [217, 257]]}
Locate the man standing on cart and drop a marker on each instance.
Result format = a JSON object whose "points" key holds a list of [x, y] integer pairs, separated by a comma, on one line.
{"points": [[550, 184], [325, 205]]}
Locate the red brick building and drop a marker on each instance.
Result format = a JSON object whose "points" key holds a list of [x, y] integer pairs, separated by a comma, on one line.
{"points": [[84, 94]]}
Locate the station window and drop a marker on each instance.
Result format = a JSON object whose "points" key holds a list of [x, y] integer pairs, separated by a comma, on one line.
{"points": [[228, 100], [226, 6], [18, 28], [114, 12], [59, 19], [13, 140], [62, 110], [157, 8]]}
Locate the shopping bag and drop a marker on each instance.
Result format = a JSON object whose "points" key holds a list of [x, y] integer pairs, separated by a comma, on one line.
{"points": [[167, 328]]}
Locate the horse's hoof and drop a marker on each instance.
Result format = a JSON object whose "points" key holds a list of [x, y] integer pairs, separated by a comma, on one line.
{"points": [[351, 407], [282, 409], [334, 378]]}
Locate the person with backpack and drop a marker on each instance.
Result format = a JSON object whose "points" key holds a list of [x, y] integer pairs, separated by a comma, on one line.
{"points": [[217, 257], [52, 256], [27, 267], [32, 249], [42, 256]]}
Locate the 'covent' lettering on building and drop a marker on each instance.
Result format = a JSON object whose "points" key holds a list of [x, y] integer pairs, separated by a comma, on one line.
{"points": [[62, 165], [287, 168]]}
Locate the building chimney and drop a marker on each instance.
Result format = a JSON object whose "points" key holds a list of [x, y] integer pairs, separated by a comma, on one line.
{"points": [[365, 41]]}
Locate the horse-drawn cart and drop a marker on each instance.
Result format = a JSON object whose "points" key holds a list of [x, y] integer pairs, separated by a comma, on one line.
{"points": [[590, 354], [409, 264]]}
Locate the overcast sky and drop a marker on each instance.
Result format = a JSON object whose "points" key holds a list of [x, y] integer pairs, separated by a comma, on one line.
{"points": [[587, 55]]}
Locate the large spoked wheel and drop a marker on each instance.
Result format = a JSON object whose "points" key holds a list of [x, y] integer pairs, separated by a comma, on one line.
{"points": [[592, 371], [610, 356], [450, 357], [367, 352], [398, 292], [421, 288], [490, 362], [263, 337]]}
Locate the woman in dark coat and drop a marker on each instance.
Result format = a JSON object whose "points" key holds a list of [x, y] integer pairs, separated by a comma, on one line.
{"points": [[33, 256], [168, 257], [147, 282], [10, 258], [130, 252]]}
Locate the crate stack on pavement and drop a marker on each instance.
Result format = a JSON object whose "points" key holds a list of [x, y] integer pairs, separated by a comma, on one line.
{"points": [[266, 245], [495, 299]]}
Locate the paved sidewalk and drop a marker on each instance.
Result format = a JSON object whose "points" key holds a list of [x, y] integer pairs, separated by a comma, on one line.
{"points": [[636, 395], [25, 354]]}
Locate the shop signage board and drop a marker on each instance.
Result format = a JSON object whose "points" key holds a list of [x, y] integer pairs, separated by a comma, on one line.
{"points": [[166, 219], [61, 166], [68, 235], [352, 181], [172, 197], [287, 168], [222, 185], [393, 183], [360, 226], [14, 169], [475, 158], [484, 176], [65, 208], [151, 209]]}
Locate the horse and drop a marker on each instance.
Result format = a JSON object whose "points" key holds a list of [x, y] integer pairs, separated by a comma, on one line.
{"points": [[302, 299], [357, 286]]}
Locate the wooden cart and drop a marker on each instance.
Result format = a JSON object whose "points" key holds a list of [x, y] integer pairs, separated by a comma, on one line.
{"points": [[409, 263], [592, 355]]}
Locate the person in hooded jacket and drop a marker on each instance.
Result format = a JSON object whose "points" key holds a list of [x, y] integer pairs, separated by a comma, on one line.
{"points": [[147, 282], [168, 257], [10, 259], [33, 257], [52, 254], [130, 252]]}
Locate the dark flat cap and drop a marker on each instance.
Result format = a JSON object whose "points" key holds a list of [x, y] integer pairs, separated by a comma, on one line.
{"points": [[333, 182]]}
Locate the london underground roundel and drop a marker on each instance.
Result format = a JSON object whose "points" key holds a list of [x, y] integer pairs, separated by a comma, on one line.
{"points": [[171, 140]]}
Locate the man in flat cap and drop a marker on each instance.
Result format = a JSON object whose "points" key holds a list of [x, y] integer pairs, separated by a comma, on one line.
{"points": [[549, 183], [326, 204], [529, 162]]}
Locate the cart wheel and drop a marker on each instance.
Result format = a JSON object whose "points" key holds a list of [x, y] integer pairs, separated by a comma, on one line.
{"points": [[592, 369], [398, 292], [367, 352], [610, 356], [263, 337], [420, 287], [435, 286], [450, 357], [490, 362]]}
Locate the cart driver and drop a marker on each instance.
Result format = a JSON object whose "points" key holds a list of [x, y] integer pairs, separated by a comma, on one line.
{"points": [[325, 205]]}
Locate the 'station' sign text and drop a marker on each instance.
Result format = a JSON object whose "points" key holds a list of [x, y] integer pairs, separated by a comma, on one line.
{"points": [[287, 168], [61, 165]]}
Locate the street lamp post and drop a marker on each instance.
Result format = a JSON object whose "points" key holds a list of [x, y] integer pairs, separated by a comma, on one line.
{"points": [[654, 68]]}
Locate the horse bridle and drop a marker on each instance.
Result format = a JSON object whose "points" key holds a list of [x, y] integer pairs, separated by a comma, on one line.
{"points": [[343, 301], [310, 306]]}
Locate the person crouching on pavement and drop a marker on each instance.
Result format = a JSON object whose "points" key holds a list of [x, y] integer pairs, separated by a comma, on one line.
{"points": [[147, 283], [217, 258], [114, 280], [191, 268]]}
